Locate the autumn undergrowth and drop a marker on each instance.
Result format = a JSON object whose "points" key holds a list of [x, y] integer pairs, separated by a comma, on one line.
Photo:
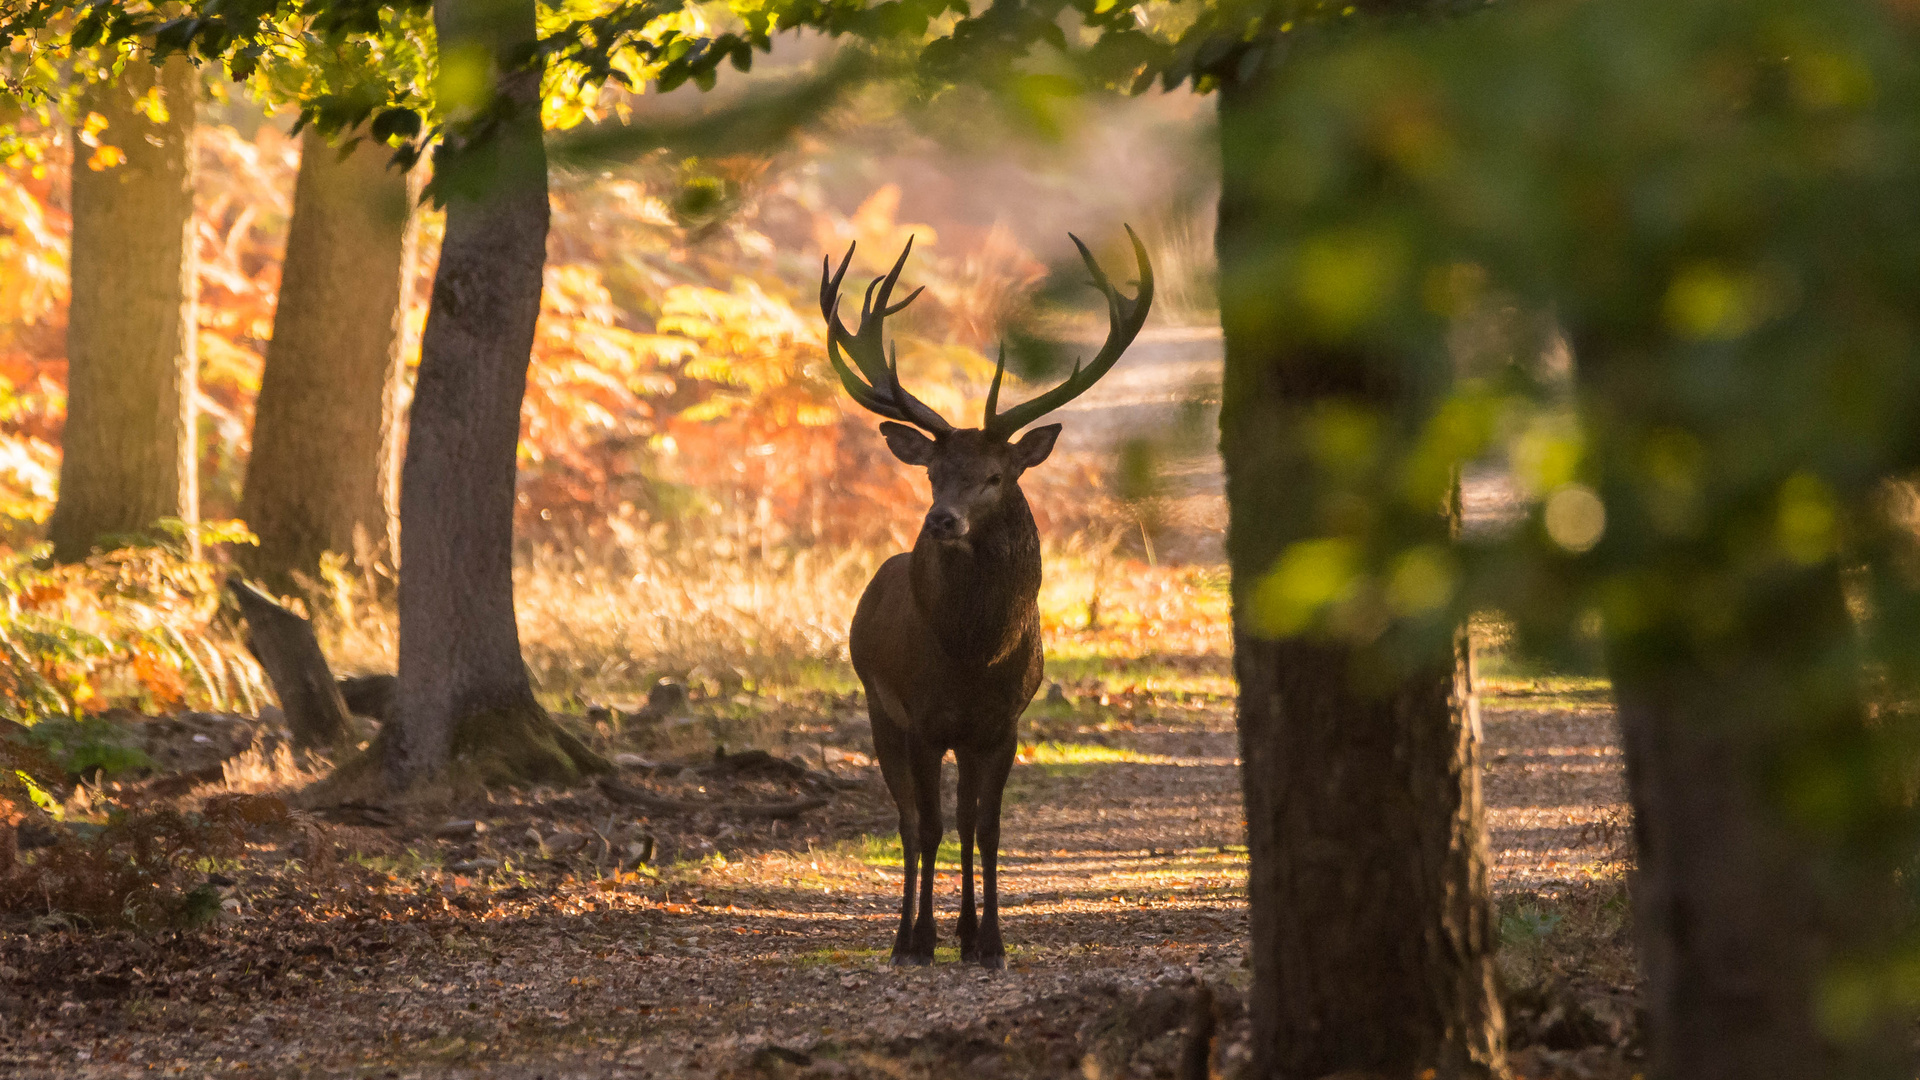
{"points": [[141, 628], [603, 617], [106, 865], [756, 632], [1567, 965], [260, 770]]}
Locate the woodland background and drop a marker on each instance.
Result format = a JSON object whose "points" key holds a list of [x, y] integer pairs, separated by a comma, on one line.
{"points": [[1572, 342], [679, 406]]}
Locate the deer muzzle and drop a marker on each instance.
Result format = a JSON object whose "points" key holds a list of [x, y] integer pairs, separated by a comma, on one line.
{"points": [[945, 523]]}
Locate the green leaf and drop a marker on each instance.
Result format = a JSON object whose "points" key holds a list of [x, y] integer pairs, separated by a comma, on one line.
{"points": [[200, 907], [40, 796], [396, 124]]}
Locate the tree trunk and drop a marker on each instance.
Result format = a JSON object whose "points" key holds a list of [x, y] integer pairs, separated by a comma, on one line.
{"points": [[128, 450], [320, 477], [1742, 755], [1372, 947], [464, 689]]}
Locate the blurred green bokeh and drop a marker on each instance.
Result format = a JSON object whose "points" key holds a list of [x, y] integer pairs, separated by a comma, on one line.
{"points": [[1711, 200], [1712, 205]]}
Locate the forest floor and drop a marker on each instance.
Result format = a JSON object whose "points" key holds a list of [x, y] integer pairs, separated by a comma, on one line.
{"points": [[402, 944]]}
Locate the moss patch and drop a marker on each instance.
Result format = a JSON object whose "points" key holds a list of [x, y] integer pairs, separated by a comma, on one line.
{"points": [[522, 745]]}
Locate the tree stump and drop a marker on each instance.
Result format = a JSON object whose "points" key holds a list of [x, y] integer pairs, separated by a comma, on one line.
{"points": [[370, 696], [286, 647]]}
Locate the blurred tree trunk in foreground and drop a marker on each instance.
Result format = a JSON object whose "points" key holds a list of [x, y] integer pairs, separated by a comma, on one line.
{"points": [[464, 689], [128, 449], [1771, 810], [1369, 888], [1741, 910], [326, 426]]}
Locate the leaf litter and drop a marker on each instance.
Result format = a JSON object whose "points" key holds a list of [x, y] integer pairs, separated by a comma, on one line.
{"points": [[550, 934]]}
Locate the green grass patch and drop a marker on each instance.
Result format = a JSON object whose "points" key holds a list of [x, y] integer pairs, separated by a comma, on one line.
{"points": [[840, 957], [89, 745], [819, 676], [1546, 692], [1499, 655], [885, 852]]}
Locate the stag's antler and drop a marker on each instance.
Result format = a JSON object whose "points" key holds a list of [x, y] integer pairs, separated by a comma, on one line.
{"points": [[1125, 316], [880, 391]]}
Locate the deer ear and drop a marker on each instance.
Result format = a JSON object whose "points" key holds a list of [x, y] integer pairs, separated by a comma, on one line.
{"points": [[1035, 445], [907, 444]]}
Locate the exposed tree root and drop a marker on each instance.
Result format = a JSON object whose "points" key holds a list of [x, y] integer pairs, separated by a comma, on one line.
{"points": [[522, 745], [497, 748]]}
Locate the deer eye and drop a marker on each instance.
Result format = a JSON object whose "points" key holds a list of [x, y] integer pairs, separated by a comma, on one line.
{"points": [[994, 479]]}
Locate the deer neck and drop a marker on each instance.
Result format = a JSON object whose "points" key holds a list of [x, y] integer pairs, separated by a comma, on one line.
{"points": [[981, 596]]}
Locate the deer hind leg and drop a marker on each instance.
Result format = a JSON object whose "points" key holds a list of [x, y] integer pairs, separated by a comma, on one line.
{"points": [[967, 815], [890, 747], [926, 782], [993, 783]]}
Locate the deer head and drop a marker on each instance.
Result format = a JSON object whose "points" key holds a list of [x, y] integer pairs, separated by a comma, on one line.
{"points": [[975, 471]]}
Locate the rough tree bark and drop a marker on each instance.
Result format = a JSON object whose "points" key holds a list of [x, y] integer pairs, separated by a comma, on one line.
{"points": [[325, 432], [128, 450], [464, 690], [1372, 948]]}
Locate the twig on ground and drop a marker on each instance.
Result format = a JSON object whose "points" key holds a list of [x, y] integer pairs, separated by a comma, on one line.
{"points": [[646, 800], [762, 762]]}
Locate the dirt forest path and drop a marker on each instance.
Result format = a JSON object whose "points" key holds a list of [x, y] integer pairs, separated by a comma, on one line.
{"points": [[1124, 872]]}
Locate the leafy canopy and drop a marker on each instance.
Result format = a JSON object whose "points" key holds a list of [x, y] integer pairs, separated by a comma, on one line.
{"points": [[355, 63]]}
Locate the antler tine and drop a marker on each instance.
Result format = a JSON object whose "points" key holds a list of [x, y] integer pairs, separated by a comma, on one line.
{"points": [[830, 287], [993, 392], [893, 275], [877, 387], [900, 395], [860, 392], [1125, 318]]}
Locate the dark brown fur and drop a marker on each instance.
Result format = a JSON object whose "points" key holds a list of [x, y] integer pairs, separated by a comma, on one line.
{"points": [[947, 638], [946, 641]]}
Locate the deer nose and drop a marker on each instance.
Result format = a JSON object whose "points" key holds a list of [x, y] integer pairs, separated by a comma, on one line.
{"points": [[944, 524]]}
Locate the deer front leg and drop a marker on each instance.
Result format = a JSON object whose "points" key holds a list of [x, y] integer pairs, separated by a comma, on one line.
{"points": [[910, 857], [967, 815], [992, 952], [890, 745], [926, 782]]}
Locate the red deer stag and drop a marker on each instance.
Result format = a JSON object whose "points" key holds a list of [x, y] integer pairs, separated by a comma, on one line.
{"points": [[946, 639]]}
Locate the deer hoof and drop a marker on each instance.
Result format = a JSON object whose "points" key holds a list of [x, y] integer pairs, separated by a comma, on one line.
{"points": [[910, 960], [996, 962]]}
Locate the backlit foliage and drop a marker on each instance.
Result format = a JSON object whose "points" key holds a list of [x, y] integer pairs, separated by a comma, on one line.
{"points": [[33, 370], [677, 366], [243, 199], [682, 269], [139, 627], [140, 868], [589, 406]]}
